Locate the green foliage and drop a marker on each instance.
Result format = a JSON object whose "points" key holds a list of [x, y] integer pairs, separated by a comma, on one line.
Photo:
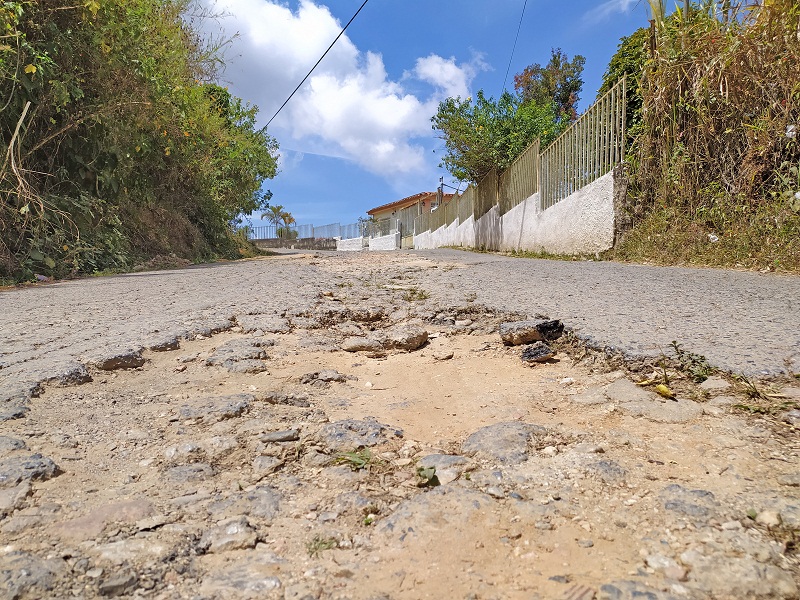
{"points": [[487, 134], [629, 61], [559, 81], [125, 148], [695, 365]]}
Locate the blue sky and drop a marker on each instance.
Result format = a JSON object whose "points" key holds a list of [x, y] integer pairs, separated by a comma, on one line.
{"points": [[358, 133]]}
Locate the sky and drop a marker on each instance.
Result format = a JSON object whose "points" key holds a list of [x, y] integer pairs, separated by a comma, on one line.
{"points": [[358, 133]]}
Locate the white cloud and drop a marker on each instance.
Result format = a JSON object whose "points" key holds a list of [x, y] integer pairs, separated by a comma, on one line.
{"points": [[445, 74], [606, 9], [349, 107]]}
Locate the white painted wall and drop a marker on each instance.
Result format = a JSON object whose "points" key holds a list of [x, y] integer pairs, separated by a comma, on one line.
{"points": [[386, 242], [582, 223], [353, 245]]}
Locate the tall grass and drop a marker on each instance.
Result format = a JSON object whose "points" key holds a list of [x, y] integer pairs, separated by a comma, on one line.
{"points": [[715, 172]]}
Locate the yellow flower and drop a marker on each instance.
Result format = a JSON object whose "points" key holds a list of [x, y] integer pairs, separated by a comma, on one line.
{"points": [[30, 69]]}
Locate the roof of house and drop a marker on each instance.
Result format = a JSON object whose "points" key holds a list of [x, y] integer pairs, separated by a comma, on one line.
{"points": [[406, 202]]}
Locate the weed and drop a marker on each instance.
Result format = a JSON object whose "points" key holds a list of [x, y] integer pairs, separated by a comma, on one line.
{"points": [[415, 295], [370, 514], [427, 477], [319, 544], [695, 365], [356, 460]]}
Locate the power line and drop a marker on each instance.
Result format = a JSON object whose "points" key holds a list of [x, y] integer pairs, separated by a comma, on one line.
{"points": [[299, 85], [516, 39]]}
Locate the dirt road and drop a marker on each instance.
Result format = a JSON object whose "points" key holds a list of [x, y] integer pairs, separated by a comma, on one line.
{"points": [[354, 427]]}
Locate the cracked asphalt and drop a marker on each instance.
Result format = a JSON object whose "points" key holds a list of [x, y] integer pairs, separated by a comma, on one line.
{"points": [[742, 322]]}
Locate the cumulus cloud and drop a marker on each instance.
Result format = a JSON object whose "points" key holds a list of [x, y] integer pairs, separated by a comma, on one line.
{"points": [[349, 107], [606, 9]]}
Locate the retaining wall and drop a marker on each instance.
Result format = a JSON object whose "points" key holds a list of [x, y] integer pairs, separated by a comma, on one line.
{"points": [[352, 245], [385, 242], [297, 244], [582, 223]]}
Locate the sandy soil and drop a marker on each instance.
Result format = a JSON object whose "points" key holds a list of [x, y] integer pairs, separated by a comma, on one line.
{"points": [[223, 470]]}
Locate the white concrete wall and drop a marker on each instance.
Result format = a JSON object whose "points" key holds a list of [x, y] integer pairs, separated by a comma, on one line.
{"points": [[353, 245], [488, 230], [465, 234], [582, 223], [386, 242]]}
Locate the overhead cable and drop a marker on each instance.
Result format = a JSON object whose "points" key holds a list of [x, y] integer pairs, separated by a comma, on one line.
{"points": [[516, 39], [299, 85]]}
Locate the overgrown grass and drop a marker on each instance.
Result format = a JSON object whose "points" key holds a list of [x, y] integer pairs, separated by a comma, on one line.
{"points": [[767, 239], [715, 169]]}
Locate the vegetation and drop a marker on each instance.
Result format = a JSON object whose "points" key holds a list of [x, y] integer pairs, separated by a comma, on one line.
{"points": [[282, 220], [559, 81], [715, 169], [485, 134], [119, 144]]}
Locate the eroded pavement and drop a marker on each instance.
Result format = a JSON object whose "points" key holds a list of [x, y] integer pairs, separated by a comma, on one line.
{"points": [[373, 444]]}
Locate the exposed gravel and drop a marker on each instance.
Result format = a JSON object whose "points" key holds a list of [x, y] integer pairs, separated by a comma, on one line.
{"points": [[743, 322], [213, 434]]}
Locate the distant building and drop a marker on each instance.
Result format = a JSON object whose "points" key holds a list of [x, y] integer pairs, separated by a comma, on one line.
{"points": [[424, 201]]}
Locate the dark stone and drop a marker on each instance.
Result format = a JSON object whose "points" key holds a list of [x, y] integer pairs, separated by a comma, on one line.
{"points": [[124, 358], [219, 409], [164, 343], [67, 373], [631, 590], [698, 504], [608, 471], [537, 353], [118, 584], [9, 444], [9, 412], [247, 366], [300, 400], [193, 473], [405, 338], [34, 467], [240, 350], [791, 416], [323, 377], [21, 574], [526, 332]]}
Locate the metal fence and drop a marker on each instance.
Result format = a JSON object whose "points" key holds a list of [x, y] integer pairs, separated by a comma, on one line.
{"points": [[406, 218], [586, 151], [521, 180], [351, 231], [334, 230]]}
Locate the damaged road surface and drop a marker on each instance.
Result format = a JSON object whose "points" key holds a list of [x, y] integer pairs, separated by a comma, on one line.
{"points": [[349, 434]]}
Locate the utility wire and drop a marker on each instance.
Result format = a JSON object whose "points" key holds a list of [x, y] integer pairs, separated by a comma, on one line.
{"points": [[299, 85], [516, 39]]}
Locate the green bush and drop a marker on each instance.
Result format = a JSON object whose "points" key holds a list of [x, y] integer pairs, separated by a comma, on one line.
{"points": [[120, 144]]}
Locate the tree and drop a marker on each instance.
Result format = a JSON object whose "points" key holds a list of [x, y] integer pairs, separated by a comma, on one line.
{"points": [[274, 214], [629, 60], [286, 231], [118, 144], [559, 81], [489, 134]]}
